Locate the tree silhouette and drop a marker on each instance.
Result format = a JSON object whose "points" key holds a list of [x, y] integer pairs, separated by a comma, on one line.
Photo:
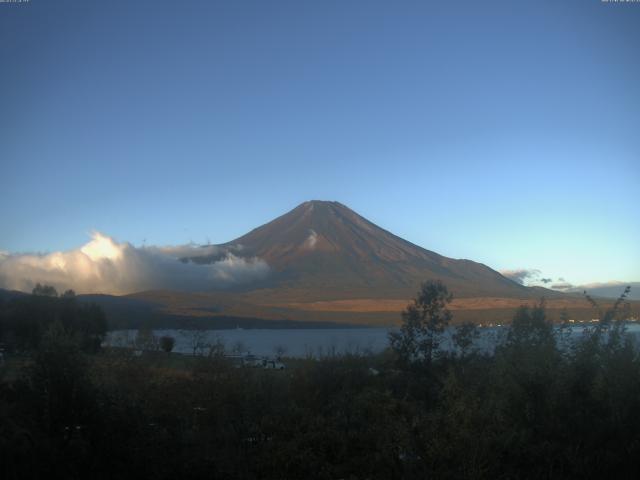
{"points": [[167, 343], [423, 322], [464, 336], [44, 291]]}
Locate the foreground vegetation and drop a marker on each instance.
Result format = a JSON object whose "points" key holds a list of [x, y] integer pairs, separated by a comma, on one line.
{"points": [[532, 409]]}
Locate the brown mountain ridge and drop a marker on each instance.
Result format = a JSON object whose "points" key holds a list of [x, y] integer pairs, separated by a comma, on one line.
{"points": [[326, 246]]}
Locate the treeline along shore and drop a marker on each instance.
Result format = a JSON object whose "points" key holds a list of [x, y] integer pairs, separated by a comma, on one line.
{"points": [[531, 408]]}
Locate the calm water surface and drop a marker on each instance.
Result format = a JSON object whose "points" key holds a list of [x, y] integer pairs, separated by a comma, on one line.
{"points": [[310, 342]]}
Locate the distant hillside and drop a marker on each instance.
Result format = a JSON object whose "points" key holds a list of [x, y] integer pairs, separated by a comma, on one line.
{"points": [[6, 295], [610, 291]]}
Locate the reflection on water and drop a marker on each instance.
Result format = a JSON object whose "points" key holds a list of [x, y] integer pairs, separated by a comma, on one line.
{"points": [[310, 342]]}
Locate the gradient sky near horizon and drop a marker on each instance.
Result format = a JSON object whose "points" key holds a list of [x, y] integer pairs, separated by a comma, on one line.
{"points": [[504, 132]]}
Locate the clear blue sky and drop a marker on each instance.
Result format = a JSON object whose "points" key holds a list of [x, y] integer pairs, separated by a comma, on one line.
{"points": [[505, 132]]}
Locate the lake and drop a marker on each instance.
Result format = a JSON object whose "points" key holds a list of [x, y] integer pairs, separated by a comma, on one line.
{"points": [[310, 342]]}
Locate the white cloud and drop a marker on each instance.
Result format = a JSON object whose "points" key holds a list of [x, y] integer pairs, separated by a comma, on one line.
{"points": [[104, 265], [563, 286], [612, 283], [521, 274]]}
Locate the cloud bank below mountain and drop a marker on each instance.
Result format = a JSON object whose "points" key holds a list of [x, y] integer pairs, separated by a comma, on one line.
{"points": [[521, 275], [104, 265]]}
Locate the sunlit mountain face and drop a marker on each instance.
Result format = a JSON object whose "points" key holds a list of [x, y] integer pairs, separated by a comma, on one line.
{"points": [[328, 247]]}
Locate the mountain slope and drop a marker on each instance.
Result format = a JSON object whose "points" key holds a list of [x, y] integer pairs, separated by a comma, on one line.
{"points": [[329, 264], [326, 245]]}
